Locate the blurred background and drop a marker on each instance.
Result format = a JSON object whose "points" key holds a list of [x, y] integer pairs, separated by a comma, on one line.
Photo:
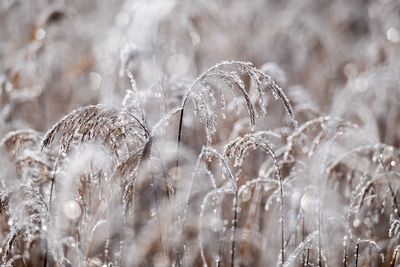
{"points": [[331, 57]]}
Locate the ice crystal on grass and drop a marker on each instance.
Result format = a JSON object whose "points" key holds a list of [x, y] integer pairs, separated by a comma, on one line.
{"points": [[107, 125], [168, 156], [202, 91]]}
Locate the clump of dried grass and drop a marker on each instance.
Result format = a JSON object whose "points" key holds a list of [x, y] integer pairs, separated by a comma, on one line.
{"points": [[149, 186]]}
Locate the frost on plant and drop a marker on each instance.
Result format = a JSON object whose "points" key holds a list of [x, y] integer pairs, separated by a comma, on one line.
{"points": [[199, 133]]}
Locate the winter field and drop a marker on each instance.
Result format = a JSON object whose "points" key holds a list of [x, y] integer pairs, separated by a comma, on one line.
{"points": [[199, 133]]}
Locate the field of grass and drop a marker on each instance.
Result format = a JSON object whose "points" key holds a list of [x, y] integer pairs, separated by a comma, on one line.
{"points": [[199, 133]]}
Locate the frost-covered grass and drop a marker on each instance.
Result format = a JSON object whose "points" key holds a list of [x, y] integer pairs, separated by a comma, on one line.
{"points": [[199, 133]]}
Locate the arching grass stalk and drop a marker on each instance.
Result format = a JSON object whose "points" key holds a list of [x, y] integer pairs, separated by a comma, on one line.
{"points": [[233, 78], [237, 150], [210, 151]]}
